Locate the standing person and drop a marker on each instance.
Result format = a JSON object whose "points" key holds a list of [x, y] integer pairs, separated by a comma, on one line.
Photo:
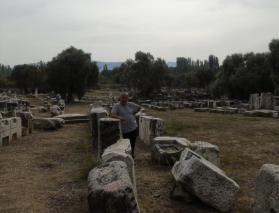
{"points": [[125, 111]]}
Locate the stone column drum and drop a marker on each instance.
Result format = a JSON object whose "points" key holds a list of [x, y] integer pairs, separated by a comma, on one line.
{"points": [[149, 128], [95, 114], [108, 133]]}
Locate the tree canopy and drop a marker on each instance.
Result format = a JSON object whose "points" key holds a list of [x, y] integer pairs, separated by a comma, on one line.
{"points": [[71, 72]]}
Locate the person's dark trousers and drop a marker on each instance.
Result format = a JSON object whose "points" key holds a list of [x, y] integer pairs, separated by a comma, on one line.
{"points": [[132, 136]]}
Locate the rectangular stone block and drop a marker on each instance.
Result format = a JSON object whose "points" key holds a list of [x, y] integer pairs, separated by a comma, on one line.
{"points": [[204, 180], [110, 189], [207, 150], [166, 150], [267, 189], [95, 114], [108, 133], [149, 128], [254, 101]]}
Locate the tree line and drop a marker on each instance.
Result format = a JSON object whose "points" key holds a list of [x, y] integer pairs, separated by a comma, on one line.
{"points": [[238, 76], [72, 72]]}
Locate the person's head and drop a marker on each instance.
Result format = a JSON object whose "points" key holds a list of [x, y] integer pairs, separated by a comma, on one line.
{"points": [[123, 98]]}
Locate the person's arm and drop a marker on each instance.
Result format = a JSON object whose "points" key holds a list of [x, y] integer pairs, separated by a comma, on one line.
{"points": [[114, 114], [136, 108]]}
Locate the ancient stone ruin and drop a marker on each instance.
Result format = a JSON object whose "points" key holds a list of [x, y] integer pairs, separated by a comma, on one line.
{"points": [[267, 189], [111, 186], [149, 128], [109, 132], [204, 180]]}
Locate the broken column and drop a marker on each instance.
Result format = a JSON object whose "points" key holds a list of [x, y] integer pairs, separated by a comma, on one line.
{"points": [[207, 150], [110, 189], [267, 189], [149, 128], [166, 150], [204, 180], [266, 100], [254, 101], [109, 132], [94, 116]]}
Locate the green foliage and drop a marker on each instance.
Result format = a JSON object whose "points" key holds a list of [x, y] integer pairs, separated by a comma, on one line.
{"points": [[274, 61], [29, 76], [242, 75], [71, 72]]}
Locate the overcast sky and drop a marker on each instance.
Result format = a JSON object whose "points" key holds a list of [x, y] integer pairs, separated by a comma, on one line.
{"points": [[113, 30]]}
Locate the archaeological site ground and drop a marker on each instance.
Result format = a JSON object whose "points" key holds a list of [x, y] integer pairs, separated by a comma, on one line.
{"points": [[46, 170]]}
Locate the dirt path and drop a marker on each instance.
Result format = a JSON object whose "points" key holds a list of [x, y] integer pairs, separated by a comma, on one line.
{"points": [[46, 171]]}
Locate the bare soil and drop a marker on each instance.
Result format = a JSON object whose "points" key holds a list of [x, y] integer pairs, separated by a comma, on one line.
{"points": [[47, 171]]}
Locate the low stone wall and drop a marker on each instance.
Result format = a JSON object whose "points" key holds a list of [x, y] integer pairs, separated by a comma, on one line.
{"points": [[112, 185], [10, 128], [108, 133], [149, 128]]}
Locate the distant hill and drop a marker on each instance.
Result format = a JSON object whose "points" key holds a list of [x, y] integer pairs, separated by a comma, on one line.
{"points": [[112, 65]]}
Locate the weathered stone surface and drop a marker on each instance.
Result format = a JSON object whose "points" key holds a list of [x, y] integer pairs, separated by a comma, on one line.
{"points": [[267, 189], [206, 181], [55, 110], [166, 150], [207, 150], [95, 114], [26, 121], [110, 189], [266, 100], [109, 133], [10, 128], [121, 151], [254, 101], [48, 123], [201, 109], [74, 118], [149, 128], [262, 113]]}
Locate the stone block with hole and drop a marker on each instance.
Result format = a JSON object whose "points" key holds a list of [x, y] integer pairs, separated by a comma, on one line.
{"points": [[166, 150]]}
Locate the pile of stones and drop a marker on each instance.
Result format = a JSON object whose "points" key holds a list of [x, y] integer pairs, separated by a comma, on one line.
{"points": [[195, 167], [112, 184]]}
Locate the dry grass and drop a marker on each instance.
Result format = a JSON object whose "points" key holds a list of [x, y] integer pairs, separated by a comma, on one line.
{"points": [[245, 143], [46, 171]]}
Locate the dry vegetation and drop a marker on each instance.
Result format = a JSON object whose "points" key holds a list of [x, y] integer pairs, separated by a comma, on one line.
{"points": [[246, 143], [46, 171]]}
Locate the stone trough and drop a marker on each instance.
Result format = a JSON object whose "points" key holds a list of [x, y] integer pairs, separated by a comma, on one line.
{"points": [[167, 150]]}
